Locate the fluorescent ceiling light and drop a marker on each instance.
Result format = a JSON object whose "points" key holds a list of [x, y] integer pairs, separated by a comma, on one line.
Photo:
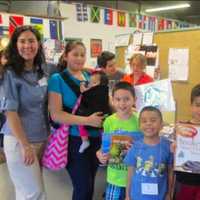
{"points": [[186, 5]]}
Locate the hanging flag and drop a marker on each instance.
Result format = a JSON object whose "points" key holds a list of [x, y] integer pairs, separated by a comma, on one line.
{"points": [[132, 20], [108, 16], [169, 24], [14, 22], [152, 23], [139, 21], [37, 23], [4, 31], [55, 28], [161, 24], [121, 19], [81, 12], [95, 14], [145, 20]]}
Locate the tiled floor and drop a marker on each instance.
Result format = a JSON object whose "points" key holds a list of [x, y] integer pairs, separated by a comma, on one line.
{"points": [[57, 184]]}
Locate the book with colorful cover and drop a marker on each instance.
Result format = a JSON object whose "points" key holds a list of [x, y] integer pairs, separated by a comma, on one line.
{"points": [[187, 155], [118, 143]]}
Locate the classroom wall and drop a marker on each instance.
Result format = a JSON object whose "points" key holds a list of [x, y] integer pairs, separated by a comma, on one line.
{"points": [[87, 30]]}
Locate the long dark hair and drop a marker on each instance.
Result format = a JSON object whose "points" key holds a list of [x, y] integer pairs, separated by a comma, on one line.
{"points": [[15, 61], [62, 64]]}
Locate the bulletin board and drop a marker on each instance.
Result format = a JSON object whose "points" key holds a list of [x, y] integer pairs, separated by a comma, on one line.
{"points": [[181, 39], [120, 58], [189, 38]]}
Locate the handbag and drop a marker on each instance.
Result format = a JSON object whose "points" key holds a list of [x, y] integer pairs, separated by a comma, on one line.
{"points": [[55, 153]]}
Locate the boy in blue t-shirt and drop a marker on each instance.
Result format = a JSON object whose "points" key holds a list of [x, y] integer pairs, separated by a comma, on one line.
{"points": [[149, 161]]}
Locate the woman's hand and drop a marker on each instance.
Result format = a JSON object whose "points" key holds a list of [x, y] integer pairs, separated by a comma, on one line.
{"points": [[95, 119], [103, 157], [28, 154]]}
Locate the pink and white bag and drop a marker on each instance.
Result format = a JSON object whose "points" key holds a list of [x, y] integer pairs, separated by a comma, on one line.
{"points": [[56, 151]]}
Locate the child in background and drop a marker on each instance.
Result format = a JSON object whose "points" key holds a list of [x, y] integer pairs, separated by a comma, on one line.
{"points": [[149, 161], [3, 61], [94, 98], [188, 184], [123, 99]]}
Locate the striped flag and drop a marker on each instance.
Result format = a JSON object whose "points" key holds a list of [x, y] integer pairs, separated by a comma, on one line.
{"points": [[152, 23], [37, 23], [121, 18], [3, 28], [108, 16], [55, 29], [161, 24], [14, 22]]}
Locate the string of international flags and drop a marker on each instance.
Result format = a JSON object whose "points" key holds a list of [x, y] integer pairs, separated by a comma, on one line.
{"points": [[150, 23], [48, 28]]}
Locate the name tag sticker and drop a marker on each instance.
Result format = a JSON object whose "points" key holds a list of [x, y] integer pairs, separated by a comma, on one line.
{"points": [[43, 81], [150, 188]]}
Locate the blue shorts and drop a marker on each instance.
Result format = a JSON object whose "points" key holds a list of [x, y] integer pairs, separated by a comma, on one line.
{"points": [[114, 192]]}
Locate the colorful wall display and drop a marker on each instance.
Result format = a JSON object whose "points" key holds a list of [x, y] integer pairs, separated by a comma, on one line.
{"points": [[139, 21]]}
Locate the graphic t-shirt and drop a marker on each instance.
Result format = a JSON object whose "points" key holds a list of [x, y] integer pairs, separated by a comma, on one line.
{"points": [[149, 181], [117, 173]]}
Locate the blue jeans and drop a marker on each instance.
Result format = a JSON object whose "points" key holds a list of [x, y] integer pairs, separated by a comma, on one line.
{"points": [[82, 167]]}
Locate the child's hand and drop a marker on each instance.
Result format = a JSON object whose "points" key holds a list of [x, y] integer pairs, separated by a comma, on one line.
{"points": [[173, 147], [102, 157], [127, 198], [83, 87], [128, 145]]}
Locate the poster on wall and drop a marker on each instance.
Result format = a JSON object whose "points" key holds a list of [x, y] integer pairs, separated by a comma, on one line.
{"points": [[53, 49], [178, 61], [187, 156], [95, 47], [158, 94]]}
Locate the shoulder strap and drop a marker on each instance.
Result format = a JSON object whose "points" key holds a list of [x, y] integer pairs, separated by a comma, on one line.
{"points": [[75, 88], [70, 82]]}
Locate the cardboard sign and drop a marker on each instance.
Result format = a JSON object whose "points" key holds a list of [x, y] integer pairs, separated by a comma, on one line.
{"points": [[187, 156]]}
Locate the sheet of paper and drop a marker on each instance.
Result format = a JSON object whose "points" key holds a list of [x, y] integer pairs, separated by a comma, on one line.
{"points": [[137, 38], [178, 61], [122, 40], [147, 38]]}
